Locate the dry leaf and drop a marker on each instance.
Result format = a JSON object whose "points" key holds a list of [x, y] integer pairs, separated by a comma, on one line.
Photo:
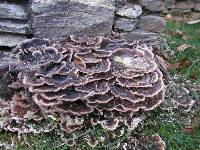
{"points": [[182, 63], [168, 17], [177, 33], [194, 124], [193, 22], [182, 34], [163, 63], [186, 37], [193, 76], [183, 47], [188, 130]]}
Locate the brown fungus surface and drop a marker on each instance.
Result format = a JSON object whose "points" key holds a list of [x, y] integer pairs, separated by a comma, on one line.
{"points": [[86, 76]]}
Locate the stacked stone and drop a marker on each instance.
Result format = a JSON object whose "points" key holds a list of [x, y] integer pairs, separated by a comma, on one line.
{"points": [[58, 19], [135, 22], [14, 27]]}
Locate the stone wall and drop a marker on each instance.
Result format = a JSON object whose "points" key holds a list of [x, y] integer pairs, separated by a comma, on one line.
{"points": [[14, 26], [57, 19]]}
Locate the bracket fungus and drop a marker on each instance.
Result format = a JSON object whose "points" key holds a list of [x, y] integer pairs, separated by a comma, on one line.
{"points": [[86, 75]]}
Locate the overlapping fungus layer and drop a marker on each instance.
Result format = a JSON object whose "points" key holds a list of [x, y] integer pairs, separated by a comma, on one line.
{"points": [[86, 75]]}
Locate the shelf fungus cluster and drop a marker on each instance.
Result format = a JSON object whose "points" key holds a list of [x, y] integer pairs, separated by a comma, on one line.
{"points": [[104, 77]]}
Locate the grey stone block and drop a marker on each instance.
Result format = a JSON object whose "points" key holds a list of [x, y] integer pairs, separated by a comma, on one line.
{"points": [[12, 11], [60, 18], [152, 23], [11, 40], [13, 27], [126, 24]]}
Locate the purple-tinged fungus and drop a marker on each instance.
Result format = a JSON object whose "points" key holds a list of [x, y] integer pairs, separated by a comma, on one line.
{"points": [[86, 75]]}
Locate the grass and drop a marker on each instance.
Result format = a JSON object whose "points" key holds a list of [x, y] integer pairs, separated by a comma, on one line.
{"points": [[176, 139], [169, 125], [189, 59], [173, 132]]}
